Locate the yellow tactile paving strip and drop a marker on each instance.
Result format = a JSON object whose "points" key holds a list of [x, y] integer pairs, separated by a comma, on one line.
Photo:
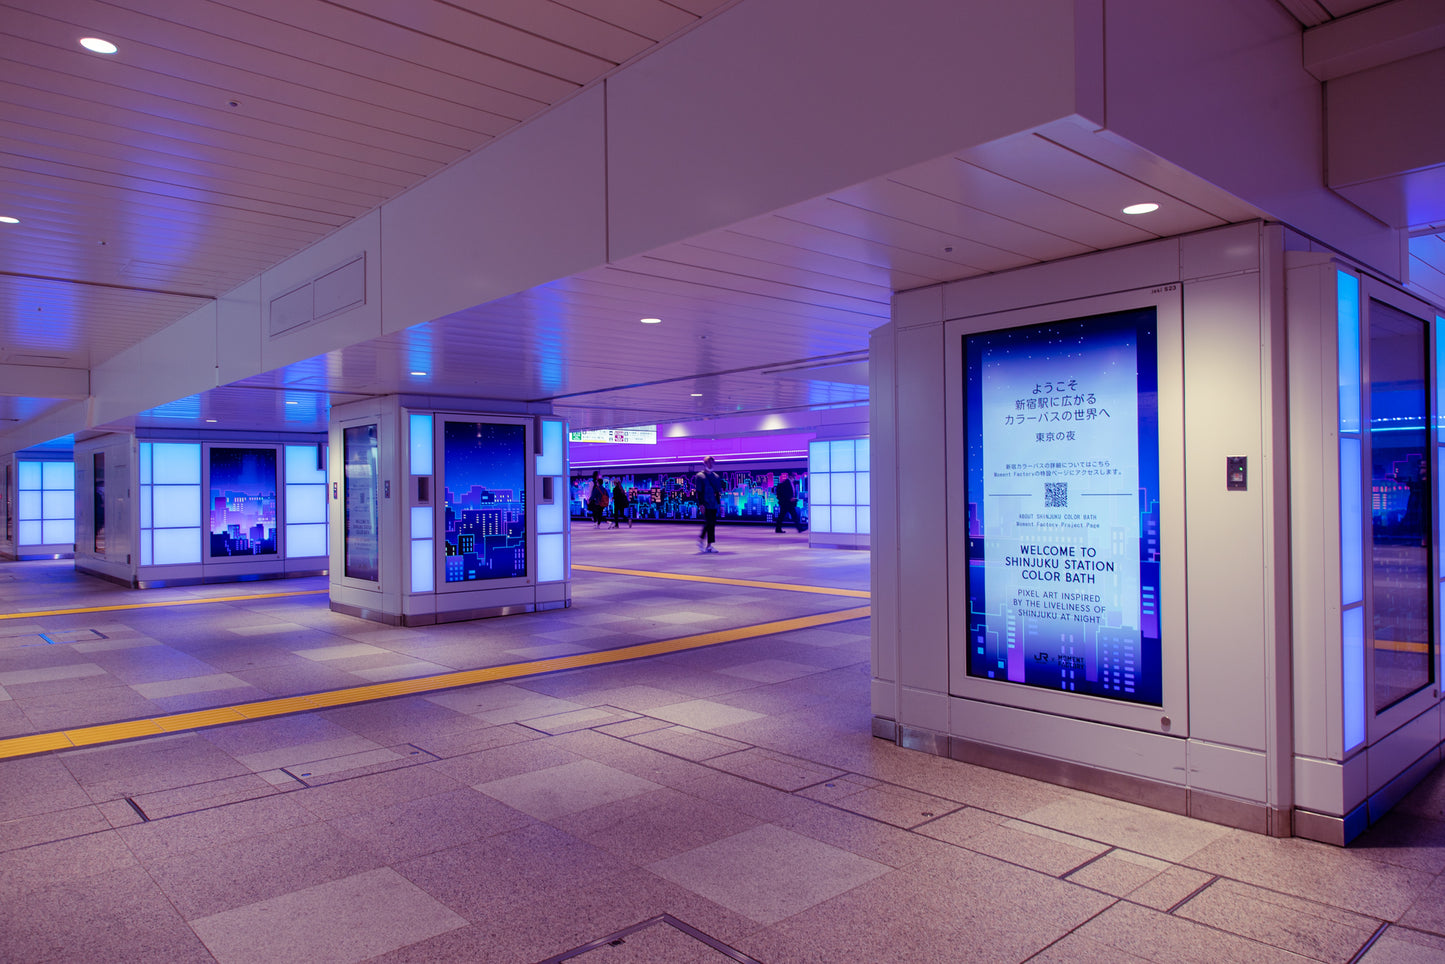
{"points": [[200, 719], [720, 580], [199, 601]]}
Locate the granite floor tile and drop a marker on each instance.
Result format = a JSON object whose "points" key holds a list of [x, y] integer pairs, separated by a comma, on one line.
{"points": [[242, 872], [374, 791], [1073, 949], [684, 741], [1314, 871], [1428, 911], [960, 826], [1140, 829], [773, 769], [768, 873], [117, 915], [896, 805], [38, 784], [1400, 945], [39, 866], [148, 766], [873, 839], [506, 760], [339, 922], [654, 825], [1037, 848], [206, 829], [496, 875], [1170, 888], [51, 826], [1146, 933], [556, 791], [1120, 873], [1312, 930], [159, 804], [702, 714], [425, 825]]}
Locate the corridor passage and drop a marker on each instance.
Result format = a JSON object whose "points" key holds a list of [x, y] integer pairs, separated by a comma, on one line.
{"points": [[678, 768]]}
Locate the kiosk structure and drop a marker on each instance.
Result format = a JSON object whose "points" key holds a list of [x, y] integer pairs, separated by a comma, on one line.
{"points": [[441, 514], [1189, 552]]}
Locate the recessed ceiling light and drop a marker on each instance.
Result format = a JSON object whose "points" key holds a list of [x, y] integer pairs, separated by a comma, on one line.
{"points": [[1144, 208], [96, 45], [9, 220], [418, 373], [697, 394], [210, 419], [293, 403], [652, 321]]}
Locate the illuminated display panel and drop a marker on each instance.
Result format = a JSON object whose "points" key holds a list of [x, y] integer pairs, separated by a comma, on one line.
{"points": [[484, 466], [1062, 468], [667, 496], [242, 502], [362, 520], [97, 475]]}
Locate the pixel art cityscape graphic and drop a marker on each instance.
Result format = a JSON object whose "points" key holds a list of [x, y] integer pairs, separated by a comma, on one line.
{"points": [[243, 502], [486, 500]]}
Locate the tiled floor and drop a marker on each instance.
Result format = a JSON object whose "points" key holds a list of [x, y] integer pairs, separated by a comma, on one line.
{"points": [[726, 797]]}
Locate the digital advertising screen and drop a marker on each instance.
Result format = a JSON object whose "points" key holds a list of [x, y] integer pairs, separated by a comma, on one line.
{"points": [[748, 494], [485, 473], [97, 470], [363, 523], [243, 502], [1062, 471]]}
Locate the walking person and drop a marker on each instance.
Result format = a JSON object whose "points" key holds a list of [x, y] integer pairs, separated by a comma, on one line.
{"points": [[597, 499], [619, 504], [707, 487], [787, 504]]}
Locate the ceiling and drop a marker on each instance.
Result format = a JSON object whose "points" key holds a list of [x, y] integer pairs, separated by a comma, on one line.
{"points": [[227, 135]]}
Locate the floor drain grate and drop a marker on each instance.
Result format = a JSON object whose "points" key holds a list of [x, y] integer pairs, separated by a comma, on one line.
{"points": [[659, 938]]}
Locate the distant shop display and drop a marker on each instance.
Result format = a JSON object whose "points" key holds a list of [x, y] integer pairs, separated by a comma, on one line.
{"points": [[666, 496]]}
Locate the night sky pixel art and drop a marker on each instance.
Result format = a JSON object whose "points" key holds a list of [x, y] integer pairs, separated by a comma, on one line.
{"points": [[667, 496], [486, 500], [243, 502]]}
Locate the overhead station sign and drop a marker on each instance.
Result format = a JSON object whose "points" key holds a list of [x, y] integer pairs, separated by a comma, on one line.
{"points": [[1063, 504], [641, 435]]}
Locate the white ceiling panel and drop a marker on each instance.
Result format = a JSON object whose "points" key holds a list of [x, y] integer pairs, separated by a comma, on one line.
{"points": [[229, 134]]}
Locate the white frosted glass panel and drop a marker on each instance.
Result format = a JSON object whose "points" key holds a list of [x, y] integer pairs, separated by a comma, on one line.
{"points": [[820, 519], [57, 475], [1352, 535], [421, 445], [305, 541], [1352, 666], [844, 519], [423, 565], [841, 454], [145, 507], [551, 557], [301, 465], [27, 505], [176, 463], [865, 519], [58, 505], [28, 533], [58, 533], [175, 546], [1348, 331], [862, 455], [843, 490], [175, 505], [145, 465], [421, 521], [553, 518], [27, 475], [817, 457], [550, 461], [145, 548], [305, 503], [864, 493], [820, 489]]}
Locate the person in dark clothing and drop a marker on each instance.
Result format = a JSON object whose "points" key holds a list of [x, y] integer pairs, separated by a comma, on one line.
{"points": [[787, 504], [597, 499], [708, 487], [619, 504]]}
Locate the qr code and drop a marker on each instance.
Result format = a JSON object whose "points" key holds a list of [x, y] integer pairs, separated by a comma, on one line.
{"points": [[1056, 495]]}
